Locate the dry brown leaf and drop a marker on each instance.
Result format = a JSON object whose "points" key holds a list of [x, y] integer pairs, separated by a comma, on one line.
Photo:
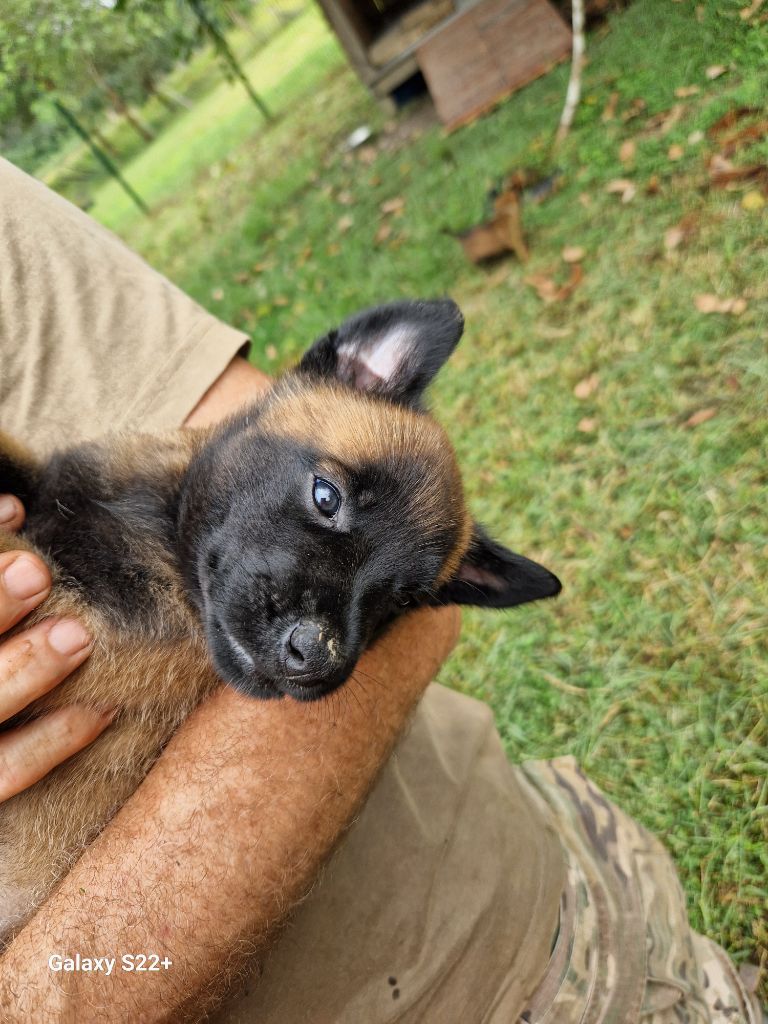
{"points": [[270, 352], [708, 303], [673, 237], [573, 254], [383, 233], [696, 137], [504, 233], [683, 91], [588, 386], [700, 417], [747, 12], [653, 185], [281, 300], [636, 107], [723, 174], [345, 198], [609, 111], [715, 71], [627, 151], [623, 187], [585, 199], [345, 223], [549, 291], [587, 425], [675, 152], [663, 122], [394, 205]]}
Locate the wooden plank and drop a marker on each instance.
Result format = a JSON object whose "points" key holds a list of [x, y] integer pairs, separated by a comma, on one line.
{"points": [[487, 52]]}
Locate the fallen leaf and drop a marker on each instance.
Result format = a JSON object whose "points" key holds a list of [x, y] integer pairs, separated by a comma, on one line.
{"points": [[270, 352], [502, 234], [732, 383], [345, 198], [700, 417], [636, 107], [383, 233], [675, 152], [609, 111], [623, 187], [673, 237], [549, 291], [585, 199], [627, 151], [281, 300], [333, 249], [217, 294], [588, 386], [708, 303], [752, 201], [683, 91], [715, 71], [573, 254], [259, 268], [394, 205], [696, 137], [587, 425], [746, 12], [242, 277], [345, 223], [366, 154], [653, 185], [663, 122], [723, 174]]}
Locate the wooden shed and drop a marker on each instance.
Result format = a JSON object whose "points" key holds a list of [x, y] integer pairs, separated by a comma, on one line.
{"points": [[471, 52]]}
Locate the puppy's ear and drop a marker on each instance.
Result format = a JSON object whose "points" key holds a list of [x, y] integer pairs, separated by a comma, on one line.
{"points": [[493, 577], [393, 350]]}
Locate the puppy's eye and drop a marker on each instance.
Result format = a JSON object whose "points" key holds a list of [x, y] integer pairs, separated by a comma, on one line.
{"points": [[326, 498]]}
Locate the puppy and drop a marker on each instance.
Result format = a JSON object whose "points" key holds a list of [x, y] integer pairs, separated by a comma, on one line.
{"points": [[267, 551]]}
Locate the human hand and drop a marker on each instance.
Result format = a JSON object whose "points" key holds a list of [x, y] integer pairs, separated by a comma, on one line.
{"points": [[32, 663]]}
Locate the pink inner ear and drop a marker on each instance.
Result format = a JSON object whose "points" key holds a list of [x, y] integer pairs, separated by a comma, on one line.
{"points": [[378, 358], [479, 577]]}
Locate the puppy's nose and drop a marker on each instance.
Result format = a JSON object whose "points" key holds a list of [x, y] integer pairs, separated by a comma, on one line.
{"points": [[310, 649]]}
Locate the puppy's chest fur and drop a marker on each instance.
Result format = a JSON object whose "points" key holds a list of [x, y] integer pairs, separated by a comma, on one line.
{"points": [[102, 520]]}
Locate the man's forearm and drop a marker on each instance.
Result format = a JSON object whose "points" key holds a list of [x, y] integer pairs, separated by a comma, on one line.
{"points": [[224, 836]]}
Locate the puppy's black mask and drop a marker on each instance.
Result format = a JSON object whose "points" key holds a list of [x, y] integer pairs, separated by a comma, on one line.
{"points": [[309, 522]]}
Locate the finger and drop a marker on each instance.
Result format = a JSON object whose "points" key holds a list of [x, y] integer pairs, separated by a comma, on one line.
{"points": [[29, 753], [24, 581], [11, 513], [35, 661]]}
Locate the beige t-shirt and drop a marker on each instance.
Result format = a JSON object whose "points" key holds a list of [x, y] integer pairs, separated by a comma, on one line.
{"points": [[91, 338]]}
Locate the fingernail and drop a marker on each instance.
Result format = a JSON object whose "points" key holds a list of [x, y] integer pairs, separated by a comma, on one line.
{"points": [[24, 578], [68, 637], [7, 508]]}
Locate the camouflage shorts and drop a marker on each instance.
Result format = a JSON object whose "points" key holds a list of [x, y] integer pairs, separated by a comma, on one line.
{"points": [[625, 953]]}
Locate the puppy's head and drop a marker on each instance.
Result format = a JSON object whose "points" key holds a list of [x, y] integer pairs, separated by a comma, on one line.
{"points": [[312, 520]]}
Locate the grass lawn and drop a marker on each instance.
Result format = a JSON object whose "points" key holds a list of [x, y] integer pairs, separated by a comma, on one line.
{"points": [[651, 668]]}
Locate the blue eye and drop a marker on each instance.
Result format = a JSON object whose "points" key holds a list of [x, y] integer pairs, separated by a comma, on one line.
{"points": [[326, 498]]}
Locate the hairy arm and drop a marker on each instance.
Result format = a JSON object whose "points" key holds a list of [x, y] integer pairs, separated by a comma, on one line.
{"points": [[226, 834]]}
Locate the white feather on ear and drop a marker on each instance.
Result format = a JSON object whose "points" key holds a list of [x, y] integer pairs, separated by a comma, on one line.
{"points": [[381, 357]]}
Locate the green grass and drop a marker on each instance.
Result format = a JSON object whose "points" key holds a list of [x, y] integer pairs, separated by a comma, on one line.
{"points": [[651, 668]]}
